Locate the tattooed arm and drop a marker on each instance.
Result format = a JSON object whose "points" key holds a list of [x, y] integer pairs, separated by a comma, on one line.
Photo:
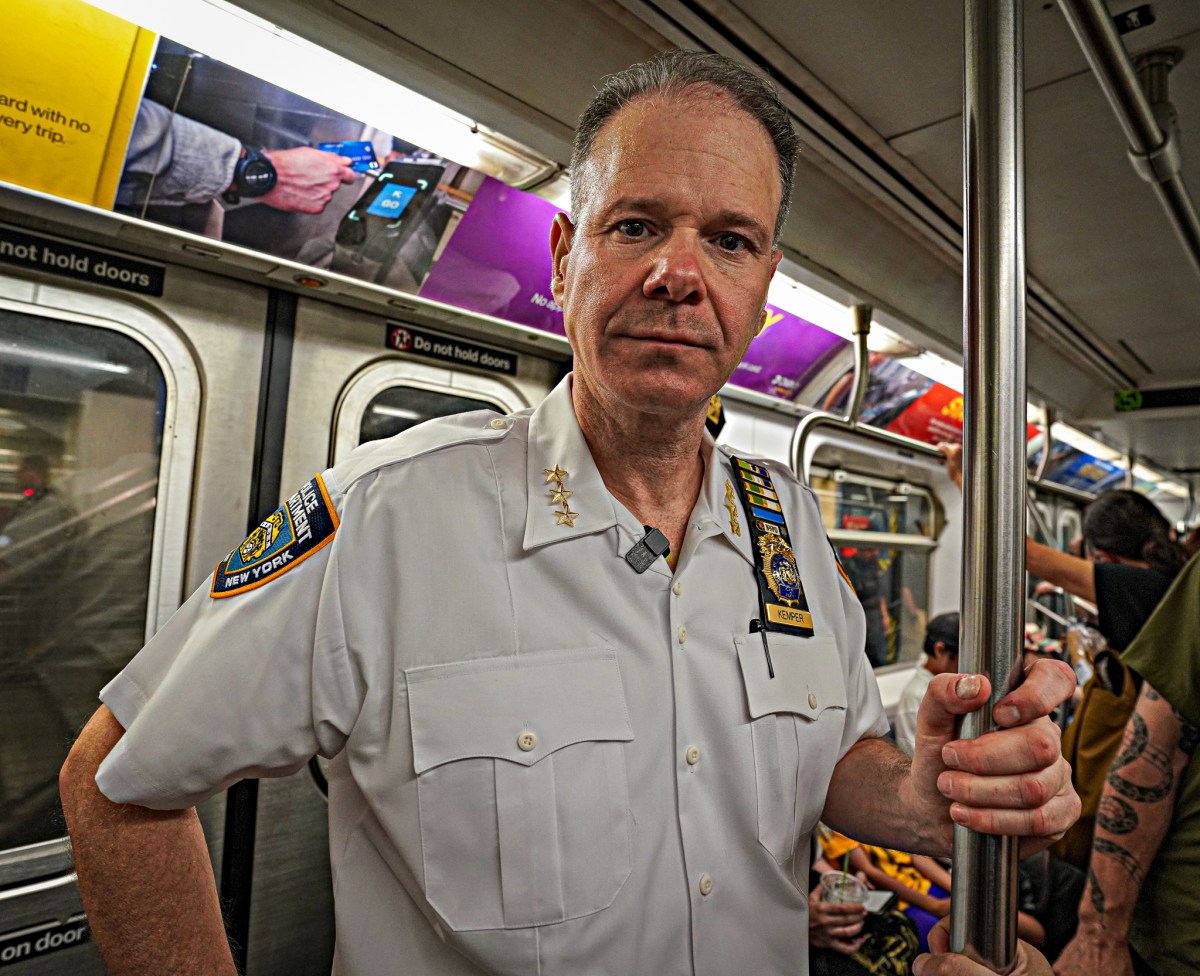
{"points": [[1135, 813]]}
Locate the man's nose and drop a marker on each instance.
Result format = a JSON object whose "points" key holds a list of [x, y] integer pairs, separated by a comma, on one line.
{"points": [[676, 273]]}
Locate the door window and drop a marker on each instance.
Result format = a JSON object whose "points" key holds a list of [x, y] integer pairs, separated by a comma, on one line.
{"points": [[883, 533], [82, 413], [400, 407]]}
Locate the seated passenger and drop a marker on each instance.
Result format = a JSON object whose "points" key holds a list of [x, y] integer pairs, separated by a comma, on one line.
{"points": [[921, 882], [941, 657], [846, 940]]}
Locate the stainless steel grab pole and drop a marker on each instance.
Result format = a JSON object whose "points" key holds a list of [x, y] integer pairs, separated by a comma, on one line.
{"points": [[862, 363], [1154, 152], [983, 906]]}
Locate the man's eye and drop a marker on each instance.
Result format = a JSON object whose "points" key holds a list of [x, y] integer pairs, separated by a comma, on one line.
{"points": [[731, 242], [633, 228]]}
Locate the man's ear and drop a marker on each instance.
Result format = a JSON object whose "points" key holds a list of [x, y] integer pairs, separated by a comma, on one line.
{"points": [[776, 257], [562, 235]]}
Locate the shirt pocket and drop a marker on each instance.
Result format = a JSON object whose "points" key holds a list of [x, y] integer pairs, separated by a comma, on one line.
{"points": [[521, 784], [797, 719]]}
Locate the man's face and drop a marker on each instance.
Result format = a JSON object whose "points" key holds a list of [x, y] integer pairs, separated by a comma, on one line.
{"points": [[663, 281]]}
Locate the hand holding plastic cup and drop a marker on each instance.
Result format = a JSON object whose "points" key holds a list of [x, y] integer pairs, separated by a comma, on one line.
{"points": [[839, 888]]}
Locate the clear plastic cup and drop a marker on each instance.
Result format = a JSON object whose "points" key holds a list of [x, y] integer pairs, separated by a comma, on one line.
{"points": [[838, 887]]}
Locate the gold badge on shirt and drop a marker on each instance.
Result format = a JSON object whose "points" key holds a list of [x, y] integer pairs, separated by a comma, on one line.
{"points": [[734, 527]]}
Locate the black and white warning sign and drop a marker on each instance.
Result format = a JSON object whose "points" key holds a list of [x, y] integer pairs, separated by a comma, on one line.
{"points": [[431, 345], [81, 263], [39, 940]]}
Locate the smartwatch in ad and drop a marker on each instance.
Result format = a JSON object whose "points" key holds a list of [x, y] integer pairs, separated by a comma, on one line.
{"points": [[253, 175]]}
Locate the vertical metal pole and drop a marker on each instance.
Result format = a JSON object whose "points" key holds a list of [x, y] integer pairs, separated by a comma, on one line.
{"points": [[983, 907], [862, 362]]}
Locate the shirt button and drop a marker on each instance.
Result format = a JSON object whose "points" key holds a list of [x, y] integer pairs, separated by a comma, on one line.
{"points": [[705, 885], [677, 588], [681, 633], [692, 755], [812, 700], [498, 424], [526, 741]]}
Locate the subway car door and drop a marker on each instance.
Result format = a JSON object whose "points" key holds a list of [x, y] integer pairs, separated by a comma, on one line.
{"points": [[127, 431], [347, 383]]}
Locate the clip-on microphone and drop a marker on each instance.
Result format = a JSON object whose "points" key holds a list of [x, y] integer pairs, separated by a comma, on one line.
{"points": [[647, 549]]}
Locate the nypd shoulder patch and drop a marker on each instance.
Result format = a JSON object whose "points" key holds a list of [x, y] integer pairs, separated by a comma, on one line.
{"points": [[289, 535]]}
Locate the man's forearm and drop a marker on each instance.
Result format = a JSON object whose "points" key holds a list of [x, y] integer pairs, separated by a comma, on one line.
{"points": [[144, 875], [1134, 814], [870, 798]]}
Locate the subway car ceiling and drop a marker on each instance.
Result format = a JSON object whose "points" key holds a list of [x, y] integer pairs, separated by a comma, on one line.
{"points": [[876, 91], [876, 218]]}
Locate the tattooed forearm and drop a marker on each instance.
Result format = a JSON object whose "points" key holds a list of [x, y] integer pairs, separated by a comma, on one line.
{"points": [[1116, 816], [1097, 892], [1128, 862], [1134, 742], [1137, 745]]}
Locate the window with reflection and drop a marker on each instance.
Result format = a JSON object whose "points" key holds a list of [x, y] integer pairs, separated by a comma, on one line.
{"points": [[81, 422], [883, 533], [400, 407]]}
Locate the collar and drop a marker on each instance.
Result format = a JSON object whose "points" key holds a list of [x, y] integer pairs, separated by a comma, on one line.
{"points": [[555, 439]]}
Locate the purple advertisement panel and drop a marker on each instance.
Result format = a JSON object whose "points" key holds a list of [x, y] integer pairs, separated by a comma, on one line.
{"points": [[498, 260], [785, 355]]}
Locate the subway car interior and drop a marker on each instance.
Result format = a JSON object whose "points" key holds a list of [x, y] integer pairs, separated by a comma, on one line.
{"points": [[174, 361]]}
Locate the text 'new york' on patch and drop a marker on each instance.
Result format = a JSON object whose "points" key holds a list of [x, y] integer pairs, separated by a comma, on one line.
{"points": [[289, 535]]}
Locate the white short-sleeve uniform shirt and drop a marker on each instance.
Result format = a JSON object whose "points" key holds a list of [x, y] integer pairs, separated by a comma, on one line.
{"points": [[542, 761]]}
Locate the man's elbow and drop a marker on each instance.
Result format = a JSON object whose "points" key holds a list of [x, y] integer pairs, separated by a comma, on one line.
{"points": [[77, 778]]}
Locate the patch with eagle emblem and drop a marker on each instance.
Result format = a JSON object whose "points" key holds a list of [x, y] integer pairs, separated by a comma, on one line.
{"points": [[294, 531]]}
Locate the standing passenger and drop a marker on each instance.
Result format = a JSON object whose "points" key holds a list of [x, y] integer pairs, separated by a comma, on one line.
{"points": [[1135, 558], [941, 657], [557, 746], [1140, 912]]}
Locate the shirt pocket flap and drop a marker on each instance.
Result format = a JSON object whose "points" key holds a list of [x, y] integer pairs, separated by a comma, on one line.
{"points": [[519, 708], [808, 674]]}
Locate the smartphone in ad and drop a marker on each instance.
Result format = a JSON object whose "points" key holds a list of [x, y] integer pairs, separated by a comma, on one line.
{"points": [[392, 201], [389, 210], [361, 154], [879, 900]]}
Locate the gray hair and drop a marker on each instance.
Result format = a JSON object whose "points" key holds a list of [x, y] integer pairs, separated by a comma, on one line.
{"points": [[673, 72]]}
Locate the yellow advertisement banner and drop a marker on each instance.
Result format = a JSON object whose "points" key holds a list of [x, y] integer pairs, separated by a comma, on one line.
{"points": [[71, 77]]}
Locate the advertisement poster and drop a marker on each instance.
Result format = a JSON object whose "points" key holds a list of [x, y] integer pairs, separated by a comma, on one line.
{"points": [[1073, 468], [70, 80], [785, 355], [218, 152], [891, 390], [934, 417], [498, 260], [120, 118]]}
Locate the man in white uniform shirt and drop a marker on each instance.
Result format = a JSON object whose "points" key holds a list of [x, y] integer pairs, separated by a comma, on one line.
{"points": [[558, 747], [941, 657]]}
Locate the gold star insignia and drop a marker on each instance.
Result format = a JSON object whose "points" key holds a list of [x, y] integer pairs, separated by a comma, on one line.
{"points": [[559, 496], [567, 517], [555, 474]]}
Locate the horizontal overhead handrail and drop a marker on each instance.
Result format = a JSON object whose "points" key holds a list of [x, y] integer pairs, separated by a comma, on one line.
{"points": [[1153, 143], [1063, 491], [819, 419], [880, 540]]}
